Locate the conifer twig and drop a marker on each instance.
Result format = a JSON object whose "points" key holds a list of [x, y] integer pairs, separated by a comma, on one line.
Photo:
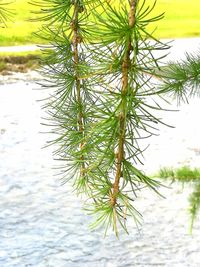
{"points": [[122, 114], [77, 39]]}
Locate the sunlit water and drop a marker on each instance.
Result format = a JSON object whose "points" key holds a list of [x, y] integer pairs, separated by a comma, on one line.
{"points": [[42, 223]]}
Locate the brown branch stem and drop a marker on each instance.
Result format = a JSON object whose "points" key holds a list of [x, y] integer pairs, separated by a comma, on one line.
{"points": [[76, 40], [122, 113]]}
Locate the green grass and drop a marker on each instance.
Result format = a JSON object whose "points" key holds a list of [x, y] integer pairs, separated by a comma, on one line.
{"points": [[183, 174], [181, 20], [20, 29], [186, 175]]}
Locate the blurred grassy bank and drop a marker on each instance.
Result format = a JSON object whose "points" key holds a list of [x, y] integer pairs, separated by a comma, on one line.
{"points": [[19, 61], [181, 20]]}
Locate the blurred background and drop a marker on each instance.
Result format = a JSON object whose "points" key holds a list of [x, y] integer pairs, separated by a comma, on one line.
{"points": [[181, 20], [42, 223]]}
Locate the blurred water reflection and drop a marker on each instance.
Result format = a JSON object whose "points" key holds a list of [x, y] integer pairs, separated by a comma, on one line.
{"points": [[42, 223]]}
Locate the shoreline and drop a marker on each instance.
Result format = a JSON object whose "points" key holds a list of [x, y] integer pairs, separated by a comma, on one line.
{"points": [[24, 66], [35, 47]]}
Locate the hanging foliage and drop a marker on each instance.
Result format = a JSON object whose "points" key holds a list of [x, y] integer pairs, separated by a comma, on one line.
{"points": [[103, 102]]}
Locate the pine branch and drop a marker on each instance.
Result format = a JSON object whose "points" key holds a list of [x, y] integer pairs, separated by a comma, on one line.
{"points": [[76, 40], [122, 114], [182, 79], [101, 71], [121, 61], [69, 102]]}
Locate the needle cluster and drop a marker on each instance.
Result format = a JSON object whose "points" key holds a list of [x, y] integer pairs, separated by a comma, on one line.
{"points": [[181, 79]]}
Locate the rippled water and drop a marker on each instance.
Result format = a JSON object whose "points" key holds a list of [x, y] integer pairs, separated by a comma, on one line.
{"points": [[42, 223]]}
